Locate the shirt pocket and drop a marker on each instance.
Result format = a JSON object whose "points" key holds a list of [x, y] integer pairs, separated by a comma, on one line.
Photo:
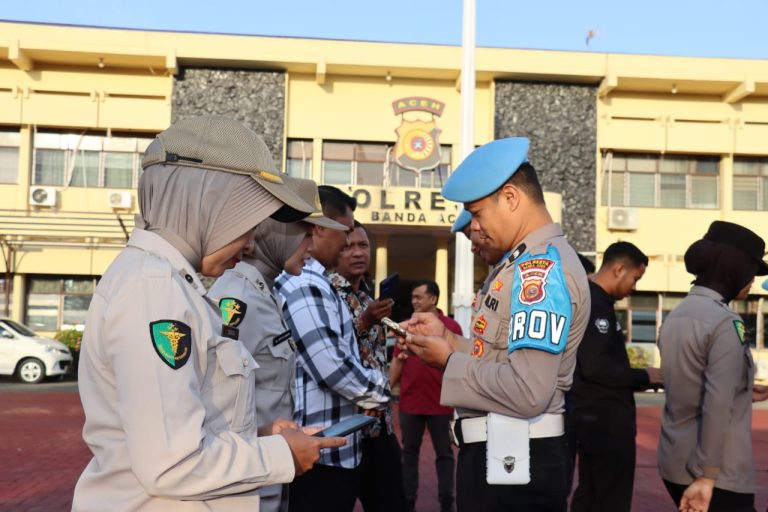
{"points": [[238, 365]]}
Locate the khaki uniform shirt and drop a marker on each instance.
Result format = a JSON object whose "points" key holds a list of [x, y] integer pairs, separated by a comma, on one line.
{"points": [[169, 401], [525, 333], [708, 375]]}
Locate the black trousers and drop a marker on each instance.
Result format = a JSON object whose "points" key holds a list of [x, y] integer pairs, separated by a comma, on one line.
{"points": [[324, 488], [412, 428], [546, 492], [722, 500], [606, 477], [381, 475]]}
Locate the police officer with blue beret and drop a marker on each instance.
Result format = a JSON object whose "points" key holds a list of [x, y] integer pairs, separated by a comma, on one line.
{"points": [[508, 380]]}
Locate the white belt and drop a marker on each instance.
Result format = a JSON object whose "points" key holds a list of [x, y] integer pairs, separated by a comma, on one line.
{"points": [[474, 430]]}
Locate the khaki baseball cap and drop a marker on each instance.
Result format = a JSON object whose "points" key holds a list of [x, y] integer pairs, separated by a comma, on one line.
{"points": [[307, 191], [223, 144]]}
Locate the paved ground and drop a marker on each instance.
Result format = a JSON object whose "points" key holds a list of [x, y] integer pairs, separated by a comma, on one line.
{"points": [[42, 451]]}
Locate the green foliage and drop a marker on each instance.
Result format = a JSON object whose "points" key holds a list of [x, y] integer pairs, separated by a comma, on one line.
{"points": [[639, 357], [71, 338]]}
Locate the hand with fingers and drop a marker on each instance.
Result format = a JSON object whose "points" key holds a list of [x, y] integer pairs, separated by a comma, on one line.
{"points": [[306, 448]]}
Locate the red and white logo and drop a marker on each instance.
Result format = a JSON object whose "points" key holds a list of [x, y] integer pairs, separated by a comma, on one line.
{"points": [[534, 273]]}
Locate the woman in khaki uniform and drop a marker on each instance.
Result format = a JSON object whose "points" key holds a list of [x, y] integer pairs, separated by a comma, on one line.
{"points": [[705, 452], [168, 394]]}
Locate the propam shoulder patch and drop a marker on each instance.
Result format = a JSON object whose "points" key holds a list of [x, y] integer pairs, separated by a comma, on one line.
{"points": [[232, 311], [740, 330], [172, 341]]}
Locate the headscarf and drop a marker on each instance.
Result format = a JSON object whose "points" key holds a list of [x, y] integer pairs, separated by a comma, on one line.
{"points": [[275, 243], [720, 267], [199, 211]]}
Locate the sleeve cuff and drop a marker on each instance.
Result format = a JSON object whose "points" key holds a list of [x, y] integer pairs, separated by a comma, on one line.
{"points": [[275, 449]]}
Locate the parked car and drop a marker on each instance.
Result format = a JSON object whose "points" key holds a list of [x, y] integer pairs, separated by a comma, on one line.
{"points": [[29, 356]]}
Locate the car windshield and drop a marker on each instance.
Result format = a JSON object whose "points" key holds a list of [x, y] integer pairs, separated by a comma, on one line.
{"points": [[19, 328]]}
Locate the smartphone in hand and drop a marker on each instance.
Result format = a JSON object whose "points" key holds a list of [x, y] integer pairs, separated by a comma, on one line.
{"points": [[347, 426]]}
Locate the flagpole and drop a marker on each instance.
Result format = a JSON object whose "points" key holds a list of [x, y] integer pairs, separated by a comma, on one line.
{"points": [[464, 271]]}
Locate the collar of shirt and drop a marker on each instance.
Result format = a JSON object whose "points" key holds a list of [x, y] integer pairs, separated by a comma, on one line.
{"points": [[706, 292], [599, 293], [315, 266], [252, 275], [155, 244]]}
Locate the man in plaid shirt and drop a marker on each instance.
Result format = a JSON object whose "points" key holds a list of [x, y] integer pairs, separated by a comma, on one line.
{"points": [[331, 381]]}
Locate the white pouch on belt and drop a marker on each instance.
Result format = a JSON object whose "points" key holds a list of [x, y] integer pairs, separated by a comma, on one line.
{"points": [[508, 459]]}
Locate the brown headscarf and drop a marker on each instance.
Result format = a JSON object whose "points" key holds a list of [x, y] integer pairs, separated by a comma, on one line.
{"points": [[275, 243], [199, 211]]}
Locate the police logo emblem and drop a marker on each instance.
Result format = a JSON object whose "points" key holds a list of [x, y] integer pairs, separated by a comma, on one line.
{"points": [[602, 325], [480, 324], [232, 311], [478, 347], [417, 147], [534, 275], [741, 330], [172, 341], [497, 286]]}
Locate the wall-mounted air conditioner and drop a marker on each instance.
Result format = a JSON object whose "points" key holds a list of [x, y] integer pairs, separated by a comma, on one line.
{"points": [[42, 196], [120, 199], [622, 219]]}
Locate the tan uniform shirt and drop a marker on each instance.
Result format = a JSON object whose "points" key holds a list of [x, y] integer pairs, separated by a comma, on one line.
{"points": [[708, 375], [169, 402], [248, 305], [525, 334]]}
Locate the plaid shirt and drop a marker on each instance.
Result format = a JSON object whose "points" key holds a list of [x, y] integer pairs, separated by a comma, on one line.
{"points": [[331, 381]]}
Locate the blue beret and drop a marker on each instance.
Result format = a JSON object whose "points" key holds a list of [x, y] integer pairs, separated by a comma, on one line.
{"points": [[486, 169], [765, 285], [462, 221]]}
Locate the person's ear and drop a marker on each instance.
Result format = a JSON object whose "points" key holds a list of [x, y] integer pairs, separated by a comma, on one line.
{"points": [[511, 196]]}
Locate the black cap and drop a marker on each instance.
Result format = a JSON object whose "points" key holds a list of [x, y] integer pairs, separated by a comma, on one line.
{"points": [[740, 237]]}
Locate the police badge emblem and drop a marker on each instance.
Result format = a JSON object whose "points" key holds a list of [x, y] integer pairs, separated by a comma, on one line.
{"points": [[418, 146], [172, 341], [232, 311]]}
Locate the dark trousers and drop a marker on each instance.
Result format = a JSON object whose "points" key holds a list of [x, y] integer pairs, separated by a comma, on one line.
{"points": [[324, 488], [412, 428], [381, 475], [722, 500], [546, 492], [606, 477]]}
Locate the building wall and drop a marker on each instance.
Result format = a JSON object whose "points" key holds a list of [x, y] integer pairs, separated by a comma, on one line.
{"points": [[560, 120], [255, 97]]}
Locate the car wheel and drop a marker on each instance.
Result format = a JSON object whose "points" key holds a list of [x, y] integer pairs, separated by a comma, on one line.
{"points": [[31, 371]]}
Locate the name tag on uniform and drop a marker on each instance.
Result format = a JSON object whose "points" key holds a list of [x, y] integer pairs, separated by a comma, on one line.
{"points": [[230, 332], [280, 338]]}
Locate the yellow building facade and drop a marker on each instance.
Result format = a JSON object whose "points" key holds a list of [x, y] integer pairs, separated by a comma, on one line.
{"points": [[670, 144]]}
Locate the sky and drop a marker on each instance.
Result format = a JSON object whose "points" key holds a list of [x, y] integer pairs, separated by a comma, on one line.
{"points": [[702, 28]]}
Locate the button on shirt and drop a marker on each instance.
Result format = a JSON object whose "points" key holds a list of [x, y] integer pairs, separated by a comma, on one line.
{"points": [[166, 438], [331, 381]]}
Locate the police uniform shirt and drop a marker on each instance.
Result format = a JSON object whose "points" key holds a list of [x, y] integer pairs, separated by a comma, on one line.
{"points": [[708, 374], [168, 401], [603, 382], [525, 333]]}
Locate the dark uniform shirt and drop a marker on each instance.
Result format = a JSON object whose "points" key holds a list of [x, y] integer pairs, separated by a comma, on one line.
{"points": [[603, 382]]}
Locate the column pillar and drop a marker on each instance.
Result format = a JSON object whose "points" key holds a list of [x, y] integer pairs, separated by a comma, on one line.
{"points": [[18, 306], [381, 260], [441, 272]]}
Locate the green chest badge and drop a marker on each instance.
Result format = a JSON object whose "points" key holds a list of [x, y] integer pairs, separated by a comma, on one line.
{"points": [[172, 341], [232, 311], [740, 330]]}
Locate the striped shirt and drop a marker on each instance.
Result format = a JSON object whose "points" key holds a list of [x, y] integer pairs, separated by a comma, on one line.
{"points": [[331, 381]]}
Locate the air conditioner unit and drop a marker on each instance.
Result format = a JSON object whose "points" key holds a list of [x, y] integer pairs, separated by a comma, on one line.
{"points": [[622, 219], [120, 199], [42, 196]]}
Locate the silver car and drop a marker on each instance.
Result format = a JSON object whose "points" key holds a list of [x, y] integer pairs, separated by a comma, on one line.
{"points": [[29, 356]]}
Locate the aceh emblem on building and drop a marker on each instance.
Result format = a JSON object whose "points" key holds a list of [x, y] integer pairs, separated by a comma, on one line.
{"points": [[418, 145]]}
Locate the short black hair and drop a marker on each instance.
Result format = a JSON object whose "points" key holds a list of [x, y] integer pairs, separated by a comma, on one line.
{"points": [[589, 267], [358, 224], [624, 251], [526, 179], [335, 202], [432, 287]]}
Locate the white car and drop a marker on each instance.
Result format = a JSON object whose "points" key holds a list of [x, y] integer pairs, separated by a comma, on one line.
{"points": [[29, 356]]}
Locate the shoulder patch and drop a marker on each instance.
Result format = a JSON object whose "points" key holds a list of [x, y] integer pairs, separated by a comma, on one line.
{"points": [[540, 304], [740, 330], [172, 341], [232, 311]]}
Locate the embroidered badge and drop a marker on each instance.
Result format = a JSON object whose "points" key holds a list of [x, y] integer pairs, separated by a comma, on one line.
{"points": [[740, 330], [480, 324], [534, 278], [478, 347], [497, 286], [602, 325], [232, 311], [172, 341]]}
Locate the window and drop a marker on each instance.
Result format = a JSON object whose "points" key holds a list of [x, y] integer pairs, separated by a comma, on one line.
{"points": [[661, 181], [350, 163], [298, 161], [55, 303], [750, 183], [67, 159], [9, 156]]}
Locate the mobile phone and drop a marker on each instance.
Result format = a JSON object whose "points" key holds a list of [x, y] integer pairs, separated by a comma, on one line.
{"points": [[393, 326], [347, 426], [388, 287]]}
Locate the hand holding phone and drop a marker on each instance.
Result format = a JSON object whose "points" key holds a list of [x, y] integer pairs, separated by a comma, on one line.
{"points": [[388, 287], [347, 426]]}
